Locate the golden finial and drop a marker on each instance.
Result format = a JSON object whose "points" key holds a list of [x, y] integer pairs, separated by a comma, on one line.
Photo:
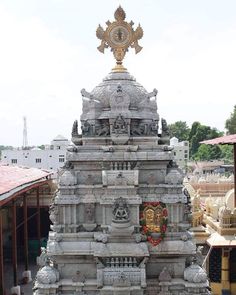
{"points": [[119, 36]]}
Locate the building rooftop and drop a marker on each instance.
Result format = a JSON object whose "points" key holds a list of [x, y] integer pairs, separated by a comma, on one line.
{"points": [[228, 139], [14, 179]]}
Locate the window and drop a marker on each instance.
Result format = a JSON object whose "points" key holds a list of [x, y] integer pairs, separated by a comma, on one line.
{"points": [[215, 265], [37, 160], [61, 160], [14, 161], [186, 156], [232, 261]]}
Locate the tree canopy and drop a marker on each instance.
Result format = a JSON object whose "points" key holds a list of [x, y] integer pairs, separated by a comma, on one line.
{"points": [[180, 130], [230, 124], [197, 133]]}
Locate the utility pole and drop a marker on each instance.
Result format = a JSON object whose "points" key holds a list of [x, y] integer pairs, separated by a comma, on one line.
{"points": [[25, 139]]}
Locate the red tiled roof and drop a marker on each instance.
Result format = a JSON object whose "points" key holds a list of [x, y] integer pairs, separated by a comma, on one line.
{"points": [[13, 177], [227, 139]]}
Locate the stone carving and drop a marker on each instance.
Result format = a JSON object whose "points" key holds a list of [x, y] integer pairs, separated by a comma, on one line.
{"points": [[153, 128], [53, 214], [42, 259], [119, 100], [120, 126], [136, 128], [86, 94], [78, 277], [47, 274], [153, 93], [165, 134], [102, 238], [68, 178], [122, 280], [121, 210], [199, 256], [165, 275], [74, 132], [164, 128], [103, 130], [76, 138], [174, 176], [90, 213], [86, 128], [195, 274]]}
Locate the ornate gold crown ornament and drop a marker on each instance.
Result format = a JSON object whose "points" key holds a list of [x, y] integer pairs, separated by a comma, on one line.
{"points": [[119, 36]]}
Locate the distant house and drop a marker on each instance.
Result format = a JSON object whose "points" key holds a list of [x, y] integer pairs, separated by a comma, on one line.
{"points": [[51, 158], [181, 152]]}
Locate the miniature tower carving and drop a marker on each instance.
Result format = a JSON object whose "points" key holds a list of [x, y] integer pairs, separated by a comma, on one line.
{"points": [[120, 217]]}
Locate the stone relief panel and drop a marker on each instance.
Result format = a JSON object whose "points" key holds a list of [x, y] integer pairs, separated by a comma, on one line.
{"points": [[89, 177], [120, 125], [120, 178], [89, 211], [120, 210], [144, 127], [120, 100]]}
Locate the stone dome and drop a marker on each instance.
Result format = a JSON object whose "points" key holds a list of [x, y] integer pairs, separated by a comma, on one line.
{"points": [[195, 274], [229, 199], [135, 101], [104, 90], [224, 212], [47, 275]]}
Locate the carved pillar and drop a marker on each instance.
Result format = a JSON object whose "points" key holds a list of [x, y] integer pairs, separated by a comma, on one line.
{"points": [[14, 245], [38, 221], [225, 284], [26, 233]]}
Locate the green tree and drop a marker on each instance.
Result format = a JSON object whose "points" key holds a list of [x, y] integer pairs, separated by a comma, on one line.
{"points": [[199, 133], [230, 123], [227, 153], [180, 130]]}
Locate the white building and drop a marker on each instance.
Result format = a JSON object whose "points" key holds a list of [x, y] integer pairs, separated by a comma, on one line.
{"points": [[50, 158], [181, 152]]}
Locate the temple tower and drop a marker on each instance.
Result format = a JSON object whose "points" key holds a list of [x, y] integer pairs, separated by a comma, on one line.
{"points": [[120, 217]]}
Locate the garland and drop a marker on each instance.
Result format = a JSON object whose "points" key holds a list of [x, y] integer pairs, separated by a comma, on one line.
{"points": [[163, 224]]}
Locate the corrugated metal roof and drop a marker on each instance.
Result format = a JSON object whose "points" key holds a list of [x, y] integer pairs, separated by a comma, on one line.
{"points": [[227, 139], [12, 177]]}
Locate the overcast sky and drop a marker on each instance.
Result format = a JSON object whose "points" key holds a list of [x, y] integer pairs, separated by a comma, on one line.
{"points": [[48, 54]]}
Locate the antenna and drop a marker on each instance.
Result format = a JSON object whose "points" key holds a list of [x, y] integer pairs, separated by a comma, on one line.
{"points": [[25, 139]]}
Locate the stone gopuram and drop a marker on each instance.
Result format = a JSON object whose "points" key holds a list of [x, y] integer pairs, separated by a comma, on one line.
{"points": [[120, 217]]}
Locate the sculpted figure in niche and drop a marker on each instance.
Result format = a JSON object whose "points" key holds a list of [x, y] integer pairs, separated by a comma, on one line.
{"points": [[86, 128], [153, 219], [120, 126], [121, 210], [164, 127], [153, 128], [103, 130], [89, 213], [137, 128]]}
